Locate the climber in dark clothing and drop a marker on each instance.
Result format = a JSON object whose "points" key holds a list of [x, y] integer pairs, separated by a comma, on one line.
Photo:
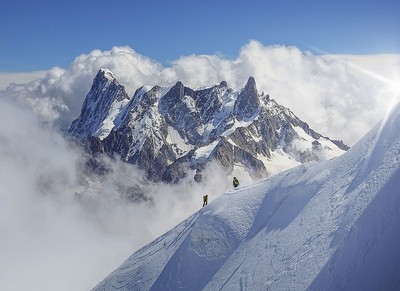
{"points": [[205, 200], [235, 182]]}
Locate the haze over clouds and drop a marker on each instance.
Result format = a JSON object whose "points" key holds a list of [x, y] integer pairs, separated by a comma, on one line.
{"points": [[7, 78], [339, 96]]}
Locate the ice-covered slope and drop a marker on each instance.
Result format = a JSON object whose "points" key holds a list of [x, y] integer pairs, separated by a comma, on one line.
{"points": [[332, 225]]}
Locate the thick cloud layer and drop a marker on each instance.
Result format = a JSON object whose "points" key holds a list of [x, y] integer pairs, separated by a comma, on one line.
{"points": [[63, 231], [340, 96]]}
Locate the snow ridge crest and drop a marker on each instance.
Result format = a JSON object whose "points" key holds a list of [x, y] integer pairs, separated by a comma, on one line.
{"points": [[331, 225]]}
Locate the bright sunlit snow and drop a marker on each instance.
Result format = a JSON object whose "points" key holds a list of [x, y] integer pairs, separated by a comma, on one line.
{"points": [[331, 225], [306, 143], [181, 146], [279, 162], [111, 120], [204, 152]]}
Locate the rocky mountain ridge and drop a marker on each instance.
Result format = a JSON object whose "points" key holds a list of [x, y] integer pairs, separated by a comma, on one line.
{"points": [[175, 132]]}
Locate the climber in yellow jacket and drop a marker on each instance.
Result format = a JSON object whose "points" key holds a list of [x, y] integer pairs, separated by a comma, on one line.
{"points": [[235, 182]]}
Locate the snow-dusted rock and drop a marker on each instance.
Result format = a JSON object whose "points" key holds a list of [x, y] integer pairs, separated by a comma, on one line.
{"points": [[163, 129]]}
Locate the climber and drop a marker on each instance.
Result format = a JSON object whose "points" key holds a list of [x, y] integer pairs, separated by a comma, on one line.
{"points": [[205, 200], [235, 182]]}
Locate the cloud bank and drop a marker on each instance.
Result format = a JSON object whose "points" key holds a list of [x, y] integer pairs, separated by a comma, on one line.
{"points": [[64, 231], [339, 96], [61, 230]]}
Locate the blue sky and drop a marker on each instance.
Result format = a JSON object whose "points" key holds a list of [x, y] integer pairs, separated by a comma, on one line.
{"points": [[37, 35]]}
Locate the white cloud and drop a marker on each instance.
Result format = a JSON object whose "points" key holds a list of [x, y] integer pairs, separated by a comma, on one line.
{"points": [[41, 95], [54, 239], [339, 96], [21, 78]]}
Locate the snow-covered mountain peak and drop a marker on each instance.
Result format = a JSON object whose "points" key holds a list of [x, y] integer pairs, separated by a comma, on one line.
{"points": [[102, 104], [248, 102], [108, 74], [242, 129]]}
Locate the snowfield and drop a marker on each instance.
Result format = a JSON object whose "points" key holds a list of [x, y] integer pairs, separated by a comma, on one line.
{"points": [[332, 225]]}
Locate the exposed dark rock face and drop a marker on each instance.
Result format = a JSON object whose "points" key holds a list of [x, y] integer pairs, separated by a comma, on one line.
{"points": [[248, 103], [105, 92], [171, 132]]}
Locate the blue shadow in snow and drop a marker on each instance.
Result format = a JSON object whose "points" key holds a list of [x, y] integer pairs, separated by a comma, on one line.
{"points": [[281, 206]]}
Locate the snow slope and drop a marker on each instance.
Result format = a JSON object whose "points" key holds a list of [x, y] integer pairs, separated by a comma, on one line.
{"points": [[332, 225]]}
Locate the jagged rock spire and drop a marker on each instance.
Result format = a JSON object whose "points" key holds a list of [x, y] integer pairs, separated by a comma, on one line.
{"points": [[163, 129], [105, 92], [247, 103]]}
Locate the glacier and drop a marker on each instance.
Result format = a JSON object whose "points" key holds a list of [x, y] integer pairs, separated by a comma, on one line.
{"points": [[329, 225]]}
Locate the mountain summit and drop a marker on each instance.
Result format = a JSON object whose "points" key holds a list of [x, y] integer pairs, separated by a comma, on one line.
{"points": [[247, 103], [102, 103], [332, 225], [174, 132]]}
